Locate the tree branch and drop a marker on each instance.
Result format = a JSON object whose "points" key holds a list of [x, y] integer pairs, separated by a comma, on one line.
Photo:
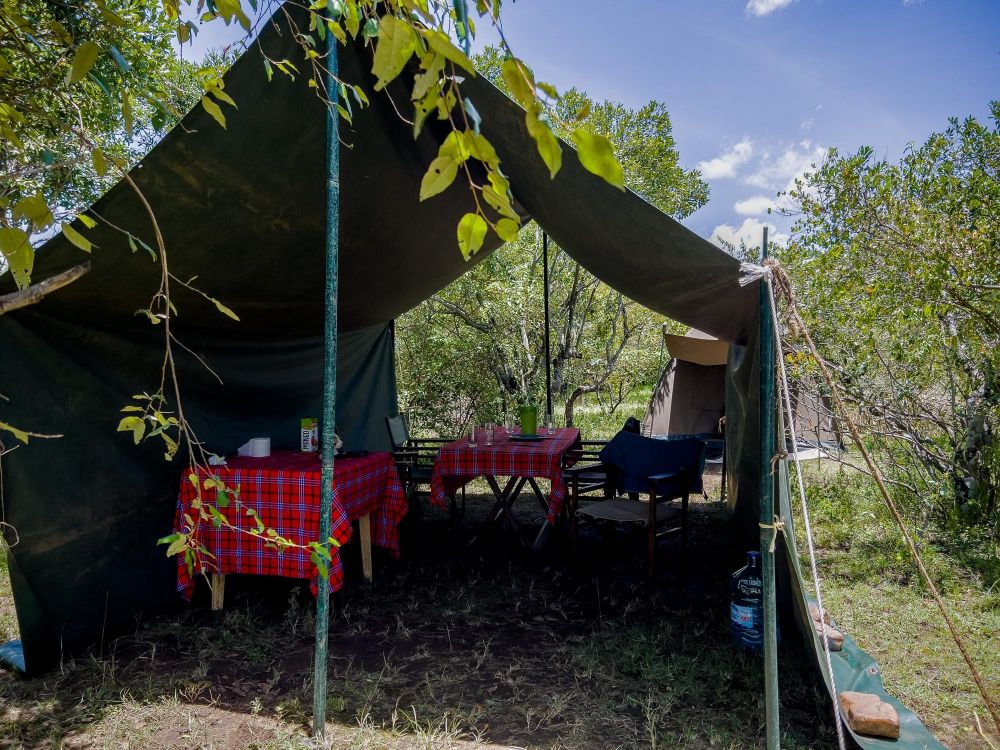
{"points": [[35, 292]]}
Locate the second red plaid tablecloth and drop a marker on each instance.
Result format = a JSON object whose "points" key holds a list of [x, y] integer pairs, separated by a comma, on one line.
{"points": [[284, 491], [457, 464]]}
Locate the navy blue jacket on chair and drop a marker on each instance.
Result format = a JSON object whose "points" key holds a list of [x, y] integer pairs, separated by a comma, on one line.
{"points": [[678, 464]]}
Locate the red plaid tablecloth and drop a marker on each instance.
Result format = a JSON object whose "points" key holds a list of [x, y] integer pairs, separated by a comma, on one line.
{"points": [[457, 464], [284, 490]]}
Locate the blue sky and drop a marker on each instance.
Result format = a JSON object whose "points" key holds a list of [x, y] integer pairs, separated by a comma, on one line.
{"points": [[758, 89]]}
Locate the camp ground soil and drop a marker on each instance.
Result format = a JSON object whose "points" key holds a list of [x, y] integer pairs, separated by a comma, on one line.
{"points": [[448, 648]]}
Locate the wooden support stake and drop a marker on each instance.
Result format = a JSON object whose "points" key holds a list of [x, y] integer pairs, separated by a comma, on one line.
{"points": [[218, 591], [365, 529]]}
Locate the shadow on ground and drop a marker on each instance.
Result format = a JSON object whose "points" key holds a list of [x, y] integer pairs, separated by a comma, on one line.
{"points": [[449, 647]]}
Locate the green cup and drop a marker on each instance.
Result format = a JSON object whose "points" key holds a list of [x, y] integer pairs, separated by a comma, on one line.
{"points": [[529, 419]]}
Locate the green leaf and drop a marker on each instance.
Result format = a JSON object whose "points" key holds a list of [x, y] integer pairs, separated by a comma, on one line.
{"points": [[34, 210], [19, 253], [352, 20], [100, 163], [479, 147], [321, 566], [432, 66], [337, 30], [119, 59], [472, 113], [222, 96], [225, 310], [519, 80], [128, 423], [507, 229], [439, 176], [440, 43], [423, 109], [77, 239], [214, 110], [597, 155], [19, 434], [471, 233], [178, 545], [132, 244], [396, 44], [454, 146], [110, 16], [545, 141], [87, 221], [127, 114], [83, 61], [321, 550]]}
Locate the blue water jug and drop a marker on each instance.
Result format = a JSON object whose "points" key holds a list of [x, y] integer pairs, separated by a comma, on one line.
{"points": [[746, 609]]}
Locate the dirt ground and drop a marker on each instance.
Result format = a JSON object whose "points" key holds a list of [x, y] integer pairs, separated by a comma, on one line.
{"points": [[451, 646]]}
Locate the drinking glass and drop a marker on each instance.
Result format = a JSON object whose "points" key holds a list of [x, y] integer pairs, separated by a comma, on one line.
{"points": [[489, 433], [550, 424], [472, 436], [508, 425]]}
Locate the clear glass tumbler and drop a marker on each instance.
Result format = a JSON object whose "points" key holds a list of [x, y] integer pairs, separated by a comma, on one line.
{"points": [[550, 424], [472, 436], [489, 433]]}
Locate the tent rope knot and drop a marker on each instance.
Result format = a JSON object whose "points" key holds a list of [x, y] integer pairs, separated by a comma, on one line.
{"points": [[779, 456], [751, 272], [777, 526]]}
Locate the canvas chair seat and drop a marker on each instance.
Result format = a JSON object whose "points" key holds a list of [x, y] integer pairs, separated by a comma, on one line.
{"points": [[663, 470], [623, 510]]}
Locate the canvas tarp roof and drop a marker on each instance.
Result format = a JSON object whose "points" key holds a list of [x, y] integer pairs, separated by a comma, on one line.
{"points": [[244, 210]]}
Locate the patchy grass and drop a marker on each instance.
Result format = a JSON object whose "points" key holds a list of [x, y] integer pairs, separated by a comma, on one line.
{"points": [[872, 588], [449, 647], [492, 648], [8, 618]]}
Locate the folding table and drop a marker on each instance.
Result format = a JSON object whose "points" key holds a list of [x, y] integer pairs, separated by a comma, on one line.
{"points": [[523, 463], [283, 492]]}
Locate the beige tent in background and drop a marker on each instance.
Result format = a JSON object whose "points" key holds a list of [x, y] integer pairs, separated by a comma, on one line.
{"points": [[691, 396]]}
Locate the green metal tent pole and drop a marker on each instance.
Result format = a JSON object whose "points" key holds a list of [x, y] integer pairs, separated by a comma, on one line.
{"points": [[767, 531], [327, 440], [545, 297]]}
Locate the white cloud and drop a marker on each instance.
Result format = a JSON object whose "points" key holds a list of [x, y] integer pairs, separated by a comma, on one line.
{"points": [[764, 7], [754, 206], [908, 3], [780, 173], [807, 123], [725, 164], [749, 233]]}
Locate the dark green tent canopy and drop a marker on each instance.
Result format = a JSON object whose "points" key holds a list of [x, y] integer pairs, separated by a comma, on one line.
{"points": [[243, 209]]}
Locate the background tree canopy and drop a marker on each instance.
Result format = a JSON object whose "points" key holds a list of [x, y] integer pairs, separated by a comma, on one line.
{"points": [[897, 268], [477, 348]]}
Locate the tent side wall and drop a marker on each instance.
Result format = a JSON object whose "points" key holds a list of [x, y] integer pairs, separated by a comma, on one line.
{"points": [[688, 400], [743, 438], [89, 506]]}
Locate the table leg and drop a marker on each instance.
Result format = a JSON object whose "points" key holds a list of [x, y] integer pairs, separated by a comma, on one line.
{"points": [[218, 585], [502, 506], [365, 532], [546, 528], [538, 494]]}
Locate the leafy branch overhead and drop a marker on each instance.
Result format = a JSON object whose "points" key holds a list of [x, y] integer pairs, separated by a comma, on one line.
{"points": [[122, 89]]}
